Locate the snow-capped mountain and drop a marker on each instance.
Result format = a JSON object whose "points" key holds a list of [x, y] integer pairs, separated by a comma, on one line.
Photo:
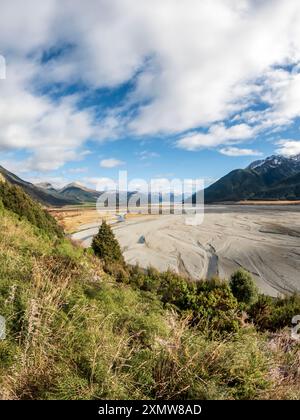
{"points": [[274, 161], [274, 178]]}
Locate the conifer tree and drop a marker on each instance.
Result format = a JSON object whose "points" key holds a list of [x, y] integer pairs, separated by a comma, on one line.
{"points": [[106, 246]]}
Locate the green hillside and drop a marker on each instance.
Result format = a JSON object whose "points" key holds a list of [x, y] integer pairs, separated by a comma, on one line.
{"points": [[81, 329], [47, 197], [12, 197], [274, 178]]}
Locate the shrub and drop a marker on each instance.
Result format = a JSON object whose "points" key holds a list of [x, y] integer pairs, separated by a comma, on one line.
{"points": [[272, 313], [106, 246], [218, 309], [151, 280], [13, 198], [118, 271], [207, 303], [243, 287], [137, 277], [177, 290], [66, 248]]}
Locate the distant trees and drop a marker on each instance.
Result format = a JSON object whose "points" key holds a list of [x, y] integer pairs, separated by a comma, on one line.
{"points": [[243, 287], [106, 246]]}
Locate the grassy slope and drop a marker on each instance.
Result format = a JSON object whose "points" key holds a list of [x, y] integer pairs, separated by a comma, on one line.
{"points": [[13, 198], [46, 197], [74, 333]]}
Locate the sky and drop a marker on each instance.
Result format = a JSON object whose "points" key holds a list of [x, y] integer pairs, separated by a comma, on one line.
{"points": [[162, 89]]}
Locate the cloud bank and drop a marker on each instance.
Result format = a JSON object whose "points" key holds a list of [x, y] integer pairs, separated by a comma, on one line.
{"points": [[211, 73]]}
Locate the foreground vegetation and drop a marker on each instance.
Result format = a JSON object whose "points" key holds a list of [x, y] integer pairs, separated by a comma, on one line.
{"points": [[13, 198], [83, 327]]}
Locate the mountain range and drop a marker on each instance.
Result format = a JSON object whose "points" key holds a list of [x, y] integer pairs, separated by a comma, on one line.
{"points": [[274, 178], [72, 194], [47, 195]]}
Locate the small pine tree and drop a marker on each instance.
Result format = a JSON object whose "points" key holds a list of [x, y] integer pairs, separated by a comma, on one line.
{"points": [[243, 287], [106, 246]]}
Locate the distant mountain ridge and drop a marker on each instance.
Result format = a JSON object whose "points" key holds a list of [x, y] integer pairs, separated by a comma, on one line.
{"points": [[274, 161], [47, 197], [14, 199], [79, 193], [45, 186], [71, 194], [274, 178]]}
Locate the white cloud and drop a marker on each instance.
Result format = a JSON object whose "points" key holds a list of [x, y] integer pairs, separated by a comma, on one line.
{"points": [[146, 155], [56, 181], [280, 89], [209, 56], [53, 132], [195, 64], [288, 147], [111, 163], [217, 135], [13, 165], [101, 183], [235, 151], [79, 170]]}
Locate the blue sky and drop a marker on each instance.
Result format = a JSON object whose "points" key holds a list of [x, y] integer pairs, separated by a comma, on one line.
{"points": [[163, 90]]}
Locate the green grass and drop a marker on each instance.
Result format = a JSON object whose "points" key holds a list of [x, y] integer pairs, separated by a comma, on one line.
{"points": [[14, 199], [74, 332]]}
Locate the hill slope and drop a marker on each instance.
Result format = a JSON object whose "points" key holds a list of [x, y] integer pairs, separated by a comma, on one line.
{"points": [[76, 332], [42, 195], [79, 193], [275, 178], [13, 198], [287, 189], [73, 332]]}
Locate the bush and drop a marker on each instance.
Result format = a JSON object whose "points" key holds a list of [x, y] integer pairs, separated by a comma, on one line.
{"points": [[106, 246], [243, 287], [273, 314], [151, 280], [14, 199], [176, 290], [118, 271], [208, 304], [137, 277], [218, 309]]}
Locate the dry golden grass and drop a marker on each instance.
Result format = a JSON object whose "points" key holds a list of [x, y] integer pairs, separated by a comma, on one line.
{"points": [[35, 362], [72, 219]]}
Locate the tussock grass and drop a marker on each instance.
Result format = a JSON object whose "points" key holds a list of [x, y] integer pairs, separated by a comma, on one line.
{"points": [[74, 332]]}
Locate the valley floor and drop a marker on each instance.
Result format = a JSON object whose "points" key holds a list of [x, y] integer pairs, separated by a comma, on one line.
{"points": [[264, 240]]}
